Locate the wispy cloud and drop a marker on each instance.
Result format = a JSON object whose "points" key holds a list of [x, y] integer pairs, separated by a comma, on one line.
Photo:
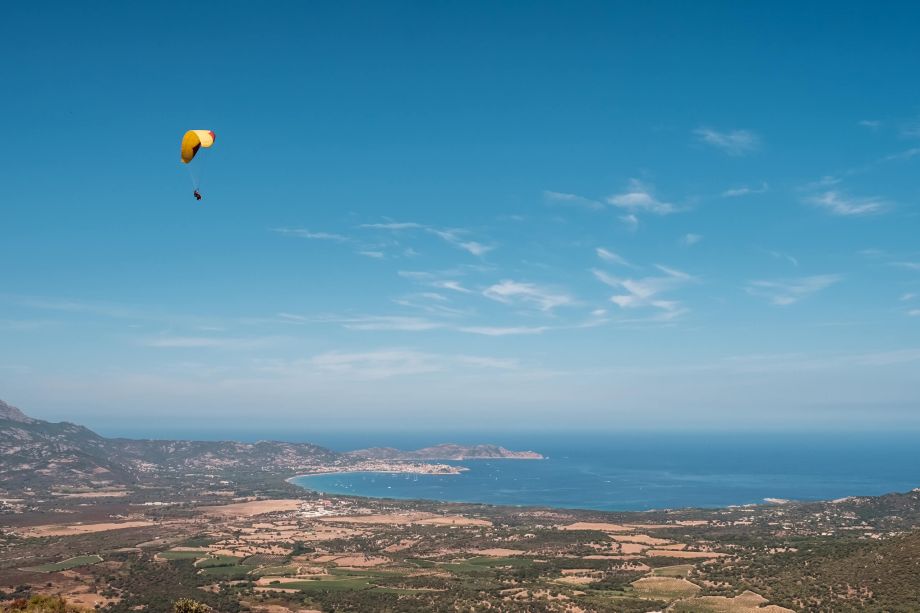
{"points": [[208, 342], [389, 363], [452, 285], [381, 364], [911, 129], [872, 124], [377, 255], [455, 237], [488, 363], [639, 198], [733, 142], [610, 256], [393, 225], [388, 323], [779, 255], [838, 203], [745, 190], [646, 292], [907, 265], [572, 200], [304, 233], [545, 299], [784, 292], [902, 155], [690, 239], [630, 221], [504, 331]]}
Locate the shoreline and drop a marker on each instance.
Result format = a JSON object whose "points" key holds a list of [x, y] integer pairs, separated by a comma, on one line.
{"points": [[378, 472], [766, 501]]}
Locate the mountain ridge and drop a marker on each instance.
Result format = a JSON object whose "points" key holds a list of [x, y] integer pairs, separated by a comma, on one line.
{"points": [[41, 455]]}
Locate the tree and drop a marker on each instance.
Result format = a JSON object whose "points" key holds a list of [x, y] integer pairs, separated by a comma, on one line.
{"points": [[187, 605]]}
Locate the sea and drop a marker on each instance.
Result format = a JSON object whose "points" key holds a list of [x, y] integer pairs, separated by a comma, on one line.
{"points": [[644, 471], [622, 471]]}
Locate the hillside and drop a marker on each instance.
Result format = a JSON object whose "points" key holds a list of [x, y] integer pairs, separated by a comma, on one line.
{"points": [[38, 454], [832, 574]]}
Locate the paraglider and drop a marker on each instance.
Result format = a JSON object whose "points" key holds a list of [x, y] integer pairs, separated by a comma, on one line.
{"points": [[191, 143]]}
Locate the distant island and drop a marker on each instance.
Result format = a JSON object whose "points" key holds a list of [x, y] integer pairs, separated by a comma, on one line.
{"points": [[446, 451]]}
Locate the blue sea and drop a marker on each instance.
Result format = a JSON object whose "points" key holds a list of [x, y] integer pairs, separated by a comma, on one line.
{"points": [[640, 471]]}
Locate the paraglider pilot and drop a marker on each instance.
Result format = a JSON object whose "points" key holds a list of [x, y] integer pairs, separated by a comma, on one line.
{"points": [[197, 195]]}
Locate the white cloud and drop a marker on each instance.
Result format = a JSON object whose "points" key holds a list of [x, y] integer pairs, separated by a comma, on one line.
{"points": [[513, 291], [610, 256], [207, 342], [902, 155], [733, 142], [914, 313], [690, 239], [393, 225], [789, 291], [304, 233], [638, 198], [572, 200], [870, 123], [504, 331], [389, 363], [390, 323], [840, 204], [908, 296], [907, 265], [454, 237], [455, 286], [631, 222], [779, 255], [744, 191], [487, 362], [381, 364], [646, 292], [372, 254]]}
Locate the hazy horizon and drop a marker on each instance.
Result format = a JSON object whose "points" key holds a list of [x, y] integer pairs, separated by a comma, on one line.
{"points": [[529, 217]]}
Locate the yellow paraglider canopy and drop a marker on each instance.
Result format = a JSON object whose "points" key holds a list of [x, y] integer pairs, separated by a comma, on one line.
{"points": [[193, 141]]}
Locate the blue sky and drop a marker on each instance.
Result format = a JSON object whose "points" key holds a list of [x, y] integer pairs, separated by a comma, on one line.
{"points": [[442, 215]]}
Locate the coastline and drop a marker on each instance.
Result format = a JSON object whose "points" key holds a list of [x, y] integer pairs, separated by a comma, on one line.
{"points": [[353, 471], [569, 485]]}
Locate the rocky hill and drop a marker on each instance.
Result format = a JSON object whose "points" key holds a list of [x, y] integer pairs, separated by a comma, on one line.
{"points": [[447, 451], [38, 455], [10, 413]]}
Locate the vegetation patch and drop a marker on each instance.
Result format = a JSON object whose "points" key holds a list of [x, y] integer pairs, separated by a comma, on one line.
{"points": [[331, 585], [678, 570], [183, 555], [665, 588], [275, 571], [484, 564], [67, 564], [227, 572], [213, 561]]}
